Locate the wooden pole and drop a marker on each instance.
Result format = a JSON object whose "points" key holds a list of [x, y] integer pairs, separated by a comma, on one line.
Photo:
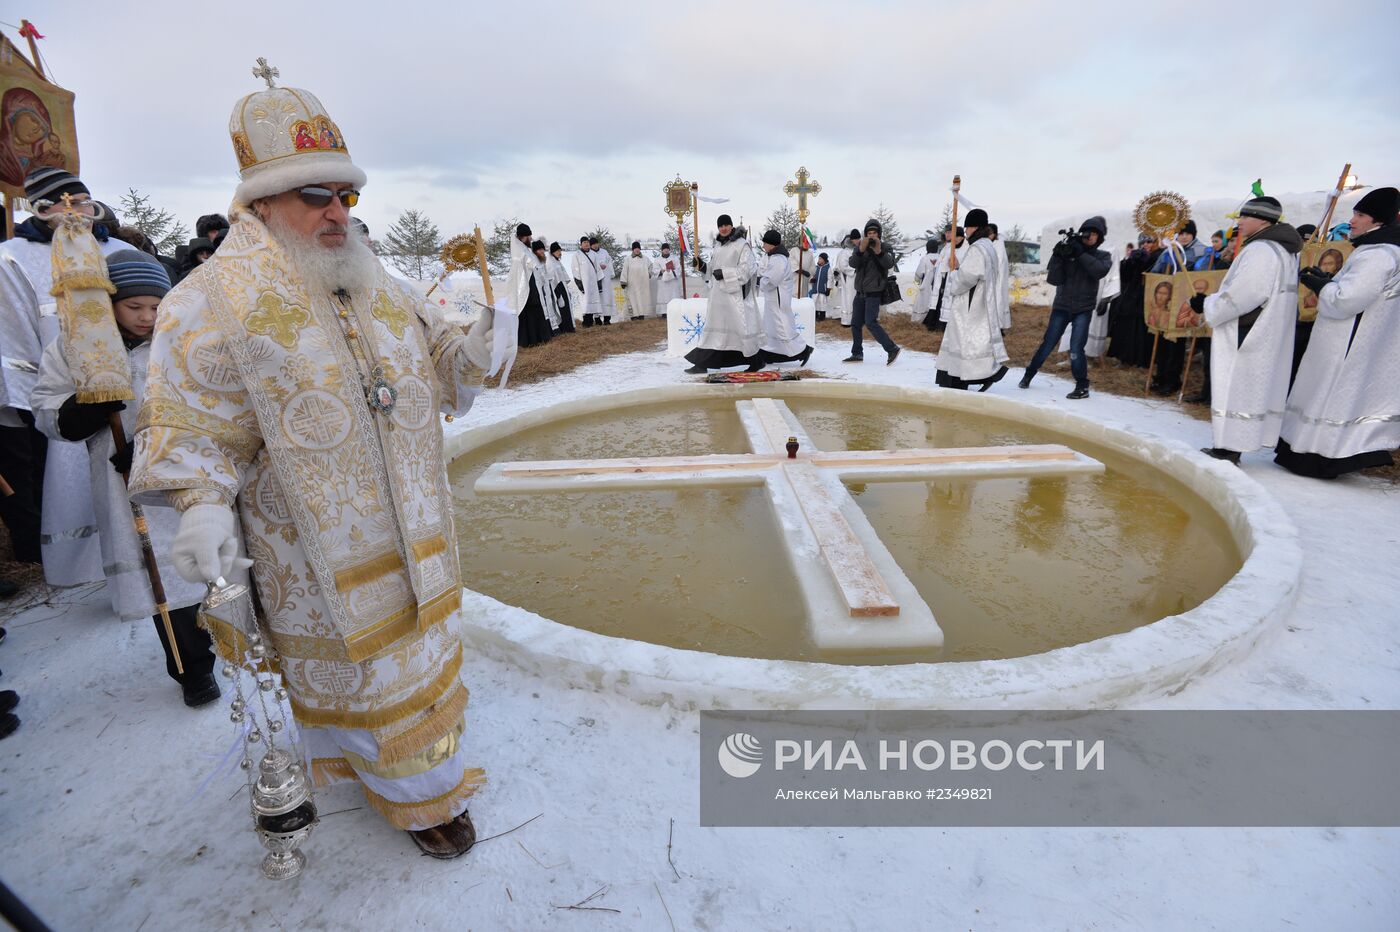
{"points": [[27, 30], [1321, 232], [1186, 374], [695, 212], [1152, 363], [481, 264], [953, 253], [148, 553], [680, 237], [9, 217]]}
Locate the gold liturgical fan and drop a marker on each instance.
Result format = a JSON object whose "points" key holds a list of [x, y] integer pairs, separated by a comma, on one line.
{"points": [[1161, 214]]}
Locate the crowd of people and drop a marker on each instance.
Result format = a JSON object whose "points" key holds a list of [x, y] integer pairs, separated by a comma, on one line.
{"points": [[286, 389], [1323, 394]]}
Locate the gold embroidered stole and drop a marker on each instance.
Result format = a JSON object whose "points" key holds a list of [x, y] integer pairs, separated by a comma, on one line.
{"points": [[367, 491]]}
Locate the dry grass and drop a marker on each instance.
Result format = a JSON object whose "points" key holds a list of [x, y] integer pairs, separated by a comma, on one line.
{"points": [[566, 352]]}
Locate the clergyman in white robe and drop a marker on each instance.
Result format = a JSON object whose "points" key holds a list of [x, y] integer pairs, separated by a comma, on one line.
{"points": [[781, 342], [636, 286], [1343, 413], [923, 278], [28, 324], [667, 272], [733, 330], [607, 300], [1249, 371], [972, 351], [585, 269]]}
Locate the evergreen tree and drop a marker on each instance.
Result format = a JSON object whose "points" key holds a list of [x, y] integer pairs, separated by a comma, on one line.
{"points": [[159, 225], [607, 241], [784, 220], [413, 244], [498, 245], [670, 237], [889, 231]]}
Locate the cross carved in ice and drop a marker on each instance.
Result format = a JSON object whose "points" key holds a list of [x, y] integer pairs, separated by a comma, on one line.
{"points": [[856, 596]]}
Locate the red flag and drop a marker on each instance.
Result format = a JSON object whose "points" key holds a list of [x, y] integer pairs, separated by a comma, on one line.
{"points": [[27, 30], [680, 233]]}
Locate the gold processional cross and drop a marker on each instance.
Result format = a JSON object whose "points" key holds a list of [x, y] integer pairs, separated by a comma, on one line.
{"points": [[856, 596], [802, 190]]}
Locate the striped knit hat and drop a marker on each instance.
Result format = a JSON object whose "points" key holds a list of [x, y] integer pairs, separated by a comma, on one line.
{"points": [[137, 274], [50, 184], [1262, 208]]}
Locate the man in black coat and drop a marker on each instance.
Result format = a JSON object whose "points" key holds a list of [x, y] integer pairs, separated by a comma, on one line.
{"points": [[871, 261], [1076, 267]]}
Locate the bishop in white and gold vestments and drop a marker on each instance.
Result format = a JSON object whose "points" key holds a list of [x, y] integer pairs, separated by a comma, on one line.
{"points": [[292, 412]]}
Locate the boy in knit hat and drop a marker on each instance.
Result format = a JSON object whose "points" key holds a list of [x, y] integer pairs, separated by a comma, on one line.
{"points": [[141, 281]]}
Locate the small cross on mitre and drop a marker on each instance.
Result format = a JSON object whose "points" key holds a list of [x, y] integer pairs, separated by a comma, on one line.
{"points": [[266, 72]]}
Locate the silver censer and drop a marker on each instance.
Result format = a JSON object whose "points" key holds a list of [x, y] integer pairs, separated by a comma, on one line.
{"points": [[284, 812]]}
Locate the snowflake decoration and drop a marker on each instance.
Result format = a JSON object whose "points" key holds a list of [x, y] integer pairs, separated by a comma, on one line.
{"points": [[797, 322], [692, 328]]}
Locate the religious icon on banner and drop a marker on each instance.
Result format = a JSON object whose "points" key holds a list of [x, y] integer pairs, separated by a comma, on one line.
{"points": [[1187, 285], [1157, 307], [1327, 256], [36, 123], [678, 202]]}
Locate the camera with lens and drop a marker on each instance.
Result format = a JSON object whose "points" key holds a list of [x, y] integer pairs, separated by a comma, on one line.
{"points": [[1066, 244]]}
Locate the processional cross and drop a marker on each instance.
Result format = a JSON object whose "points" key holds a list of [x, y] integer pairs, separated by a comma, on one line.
{"points": [[856, 596], [266, 72], [802, 189]]}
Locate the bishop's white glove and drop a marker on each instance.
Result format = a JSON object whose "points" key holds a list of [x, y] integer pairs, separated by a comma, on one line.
{"points": [[478, 345], [206, 546]]}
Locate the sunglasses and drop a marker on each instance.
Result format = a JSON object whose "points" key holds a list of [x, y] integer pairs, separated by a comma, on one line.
{"points": [[321, 197]]}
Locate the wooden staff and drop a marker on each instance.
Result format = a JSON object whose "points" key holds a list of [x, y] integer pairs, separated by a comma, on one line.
{"points": [[953, 251], [481, 264], [680, 231], [148, 553], [26, 29], [1151, 363], [695, 212], [1321, 232]]}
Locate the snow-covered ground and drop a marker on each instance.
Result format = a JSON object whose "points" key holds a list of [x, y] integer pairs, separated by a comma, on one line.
{"points": [[117, 813]]}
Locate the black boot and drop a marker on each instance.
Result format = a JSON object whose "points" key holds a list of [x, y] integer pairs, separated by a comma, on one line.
{"points": [[200, 690], [1079, 392], [806, 355], [1025, 381], [695, 370]]}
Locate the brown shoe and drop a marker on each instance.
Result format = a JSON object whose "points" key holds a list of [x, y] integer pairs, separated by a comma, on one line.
{"points": [[448, 840]]}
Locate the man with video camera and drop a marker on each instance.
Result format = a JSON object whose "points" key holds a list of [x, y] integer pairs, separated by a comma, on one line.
{"points": [[1076, 266]]}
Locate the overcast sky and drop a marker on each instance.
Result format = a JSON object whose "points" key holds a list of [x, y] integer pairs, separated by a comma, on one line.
{"points": [[575, 115]]}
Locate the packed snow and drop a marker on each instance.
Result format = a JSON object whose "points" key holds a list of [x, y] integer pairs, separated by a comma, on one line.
{"points": [[122, 809]]}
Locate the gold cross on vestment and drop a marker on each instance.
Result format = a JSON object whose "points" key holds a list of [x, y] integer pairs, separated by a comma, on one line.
{"points": [[802, 189], [266, 72], [277, 319]]}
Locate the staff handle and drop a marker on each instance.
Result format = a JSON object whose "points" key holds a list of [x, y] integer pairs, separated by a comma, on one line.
{"points": [[148, 552]]}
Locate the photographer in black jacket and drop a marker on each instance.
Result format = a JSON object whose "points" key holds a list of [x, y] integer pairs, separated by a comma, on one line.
{"points": [[872, 260], [1077, 266]]}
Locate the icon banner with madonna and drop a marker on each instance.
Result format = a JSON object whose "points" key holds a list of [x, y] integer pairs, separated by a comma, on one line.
{"points": [[1167, 302], [1329, 257], [36, 122]]}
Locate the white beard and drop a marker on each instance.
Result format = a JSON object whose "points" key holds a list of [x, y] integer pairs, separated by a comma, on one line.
{"points": [[350, 266]]}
